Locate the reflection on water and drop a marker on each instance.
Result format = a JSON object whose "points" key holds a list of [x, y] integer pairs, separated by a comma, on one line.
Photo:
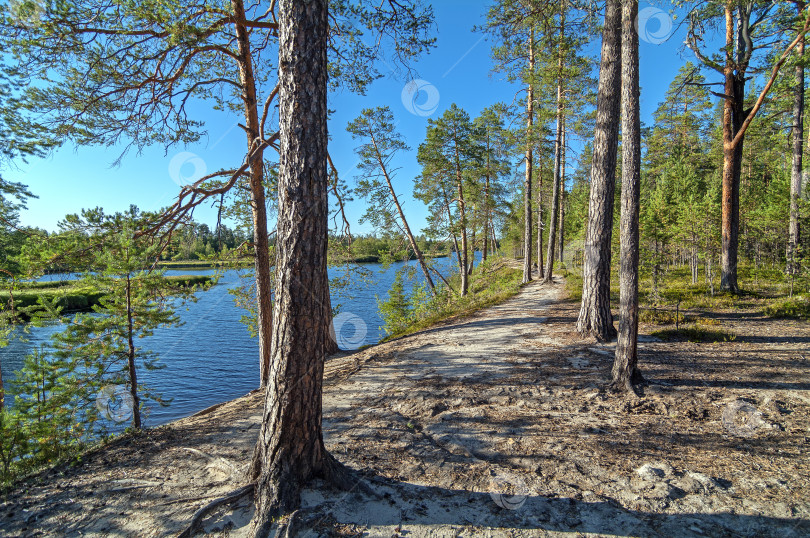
{"points": [[211, 358]]}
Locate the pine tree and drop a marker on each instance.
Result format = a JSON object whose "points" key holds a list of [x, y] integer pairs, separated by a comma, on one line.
{"points": [[381, 143], [448, 156], [595, 317]]}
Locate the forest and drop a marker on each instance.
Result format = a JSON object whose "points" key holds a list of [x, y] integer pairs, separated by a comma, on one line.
{"points": [[594, 298]]}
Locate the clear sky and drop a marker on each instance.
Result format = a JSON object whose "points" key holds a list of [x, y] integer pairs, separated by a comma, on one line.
{"points": [[458, 70]]}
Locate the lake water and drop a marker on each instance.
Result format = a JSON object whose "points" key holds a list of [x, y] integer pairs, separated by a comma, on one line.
{"points": [[212, 358]]}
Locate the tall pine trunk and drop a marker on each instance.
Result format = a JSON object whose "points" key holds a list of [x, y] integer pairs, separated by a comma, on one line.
{"points": [[258, 204], [595, 317], [796, 168], [290, 449], [527, 181], [561, 227], [625, 372], [734, 115], [463, 218], [558, 151]]}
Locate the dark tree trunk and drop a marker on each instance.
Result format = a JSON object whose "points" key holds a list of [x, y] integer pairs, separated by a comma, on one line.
{"points": [[527, 182], [290, 449], [595, 317], [796, 169], [261, 246], [732, 166], [133, 374], [625, 372]]}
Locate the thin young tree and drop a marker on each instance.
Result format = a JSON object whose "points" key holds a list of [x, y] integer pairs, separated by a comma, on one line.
{"points": [[380, 144], [595, 317], [625, 372]]}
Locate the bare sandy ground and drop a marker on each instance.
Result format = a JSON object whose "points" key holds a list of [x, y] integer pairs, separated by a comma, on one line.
{"points": [[493, 425]]}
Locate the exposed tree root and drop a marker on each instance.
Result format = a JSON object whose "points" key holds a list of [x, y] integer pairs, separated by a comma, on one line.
{"points": [[200, 514], [631, 385]]}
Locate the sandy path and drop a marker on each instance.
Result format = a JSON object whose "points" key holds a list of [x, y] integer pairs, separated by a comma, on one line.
{"points": [[494, 425]]}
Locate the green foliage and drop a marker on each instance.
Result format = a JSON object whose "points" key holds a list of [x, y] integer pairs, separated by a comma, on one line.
{"points": [[796, 307], [492, 283], [52, 416], [695, 333], [396, 311]]}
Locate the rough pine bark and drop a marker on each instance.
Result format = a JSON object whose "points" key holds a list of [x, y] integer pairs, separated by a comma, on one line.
{"points": [[625, 371], [594, 316], [261, 246], [527, 182], [796, 168], [290, 449]]}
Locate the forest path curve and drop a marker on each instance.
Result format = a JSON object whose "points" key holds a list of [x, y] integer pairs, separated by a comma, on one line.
{"points": [[496, 424]]}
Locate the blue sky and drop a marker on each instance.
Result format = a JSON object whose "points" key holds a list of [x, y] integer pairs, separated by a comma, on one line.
{"points": [[458, 71]]}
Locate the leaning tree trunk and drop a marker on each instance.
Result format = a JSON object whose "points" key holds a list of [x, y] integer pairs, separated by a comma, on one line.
{"points": [[261, 246], [594, 315], [411, 239], [290, 449], [796, 169], [527, 182], [625, 372]]}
